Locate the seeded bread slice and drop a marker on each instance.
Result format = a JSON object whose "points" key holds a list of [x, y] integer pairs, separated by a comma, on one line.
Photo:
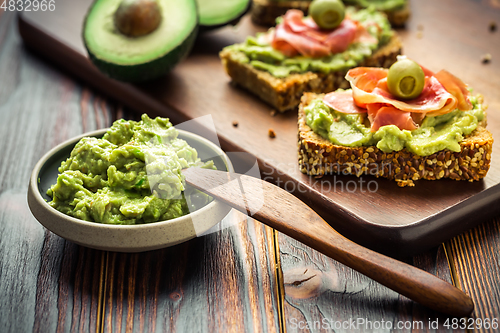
{"points": [[318, 156], [265, 12], [285, 93]]}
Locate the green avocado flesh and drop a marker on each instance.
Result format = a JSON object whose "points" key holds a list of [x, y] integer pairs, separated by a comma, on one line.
{"points": [[130, 176], [140, 58], [220, 12], [383, 5], [258, 53], [434, 134]]}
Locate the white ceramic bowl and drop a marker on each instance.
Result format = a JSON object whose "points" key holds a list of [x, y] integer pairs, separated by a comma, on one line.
{"points": [[123, 238]]}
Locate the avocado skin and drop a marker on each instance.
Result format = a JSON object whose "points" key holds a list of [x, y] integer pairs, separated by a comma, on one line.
{"points": [[234, 21], [148, 70]]}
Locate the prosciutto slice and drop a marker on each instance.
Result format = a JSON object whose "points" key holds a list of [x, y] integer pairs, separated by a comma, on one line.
{"points": [[296, 35], [442, 93], [382, 115], [368, 88], [456, 87], [343, 102]]}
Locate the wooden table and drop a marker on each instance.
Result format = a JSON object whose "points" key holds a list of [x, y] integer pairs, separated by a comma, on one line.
{"points": [[245, 278]]}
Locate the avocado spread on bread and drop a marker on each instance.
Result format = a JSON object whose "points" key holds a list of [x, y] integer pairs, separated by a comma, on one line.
{"points": [[258, 52], [384, 5], [434, 134]]}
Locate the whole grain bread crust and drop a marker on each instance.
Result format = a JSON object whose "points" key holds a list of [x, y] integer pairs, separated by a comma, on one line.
{"points": [[318, 156], [285, 93], [265, 12]]}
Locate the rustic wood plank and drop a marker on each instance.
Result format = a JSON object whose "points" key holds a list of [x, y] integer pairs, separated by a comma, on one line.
{"points": [[46, 283], [322, 295], [474, 256], [221, 282]]}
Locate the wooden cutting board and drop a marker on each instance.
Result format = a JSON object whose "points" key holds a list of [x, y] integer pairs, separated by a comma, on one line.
{"points": [[451, 34]]}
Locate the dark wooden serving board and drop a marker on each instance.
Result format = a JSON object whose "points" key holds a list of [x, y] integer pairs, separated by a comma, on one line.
{"points": [[451, 34]]}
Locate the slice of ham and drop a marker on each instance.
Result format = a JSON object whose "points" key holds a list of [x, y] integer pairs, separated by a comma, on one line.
{"points": [[367, 77], [382, 115], [369, 86], [342, 101], [340, 39], [442, 93], [296, 35], [456, 87], [292, 44]]}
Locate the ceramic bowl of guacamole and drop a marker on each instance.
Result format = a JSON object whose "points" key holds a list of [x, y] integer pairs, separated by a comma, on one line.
{"points": [[118, 235]]}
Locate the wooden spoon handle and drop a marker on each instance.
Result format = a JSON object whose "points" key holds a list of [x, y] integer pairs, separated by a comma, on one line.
{"points": [[284, 212]]}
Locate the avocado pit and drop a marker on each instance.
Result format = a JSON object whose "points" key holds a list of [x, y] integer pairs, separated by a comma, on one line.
{"points": [[135, 18]]}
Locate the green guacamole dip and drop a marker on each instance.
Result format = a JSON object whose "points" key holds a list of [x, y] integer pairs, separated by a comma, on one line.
{"points": [[434, 134], [258, 53], [130, 176]]}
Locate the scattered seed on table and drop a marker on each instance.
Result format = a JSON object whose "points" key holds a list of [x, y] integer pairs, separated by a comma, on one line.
{"points": [[272, 133], [493, 26], [235, 123], [486, 58]]}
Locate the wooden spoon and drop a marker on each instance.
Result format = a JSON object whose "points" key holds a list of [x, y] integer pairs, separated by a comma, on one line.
{"points": [[284, 212]]}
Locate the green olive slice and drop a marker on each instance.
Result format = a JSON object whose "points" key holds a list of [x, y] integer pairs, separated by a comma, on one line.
{"points": [[135, 18], [328, 14], [405, 79]]}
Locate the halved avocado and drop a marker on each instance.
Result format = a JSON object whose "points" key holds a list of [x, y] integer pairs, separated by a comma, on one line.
{"points": [[134, 59], [217, 13]]}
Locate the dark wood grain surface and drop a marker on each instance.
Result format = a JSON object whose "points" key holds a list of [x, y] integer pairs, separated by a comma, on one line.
{"points": [[222, 282], [400, 221], [50, 285], [225, 281], [320, 290], [46, 284], [475, 261], [285, 213]]}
